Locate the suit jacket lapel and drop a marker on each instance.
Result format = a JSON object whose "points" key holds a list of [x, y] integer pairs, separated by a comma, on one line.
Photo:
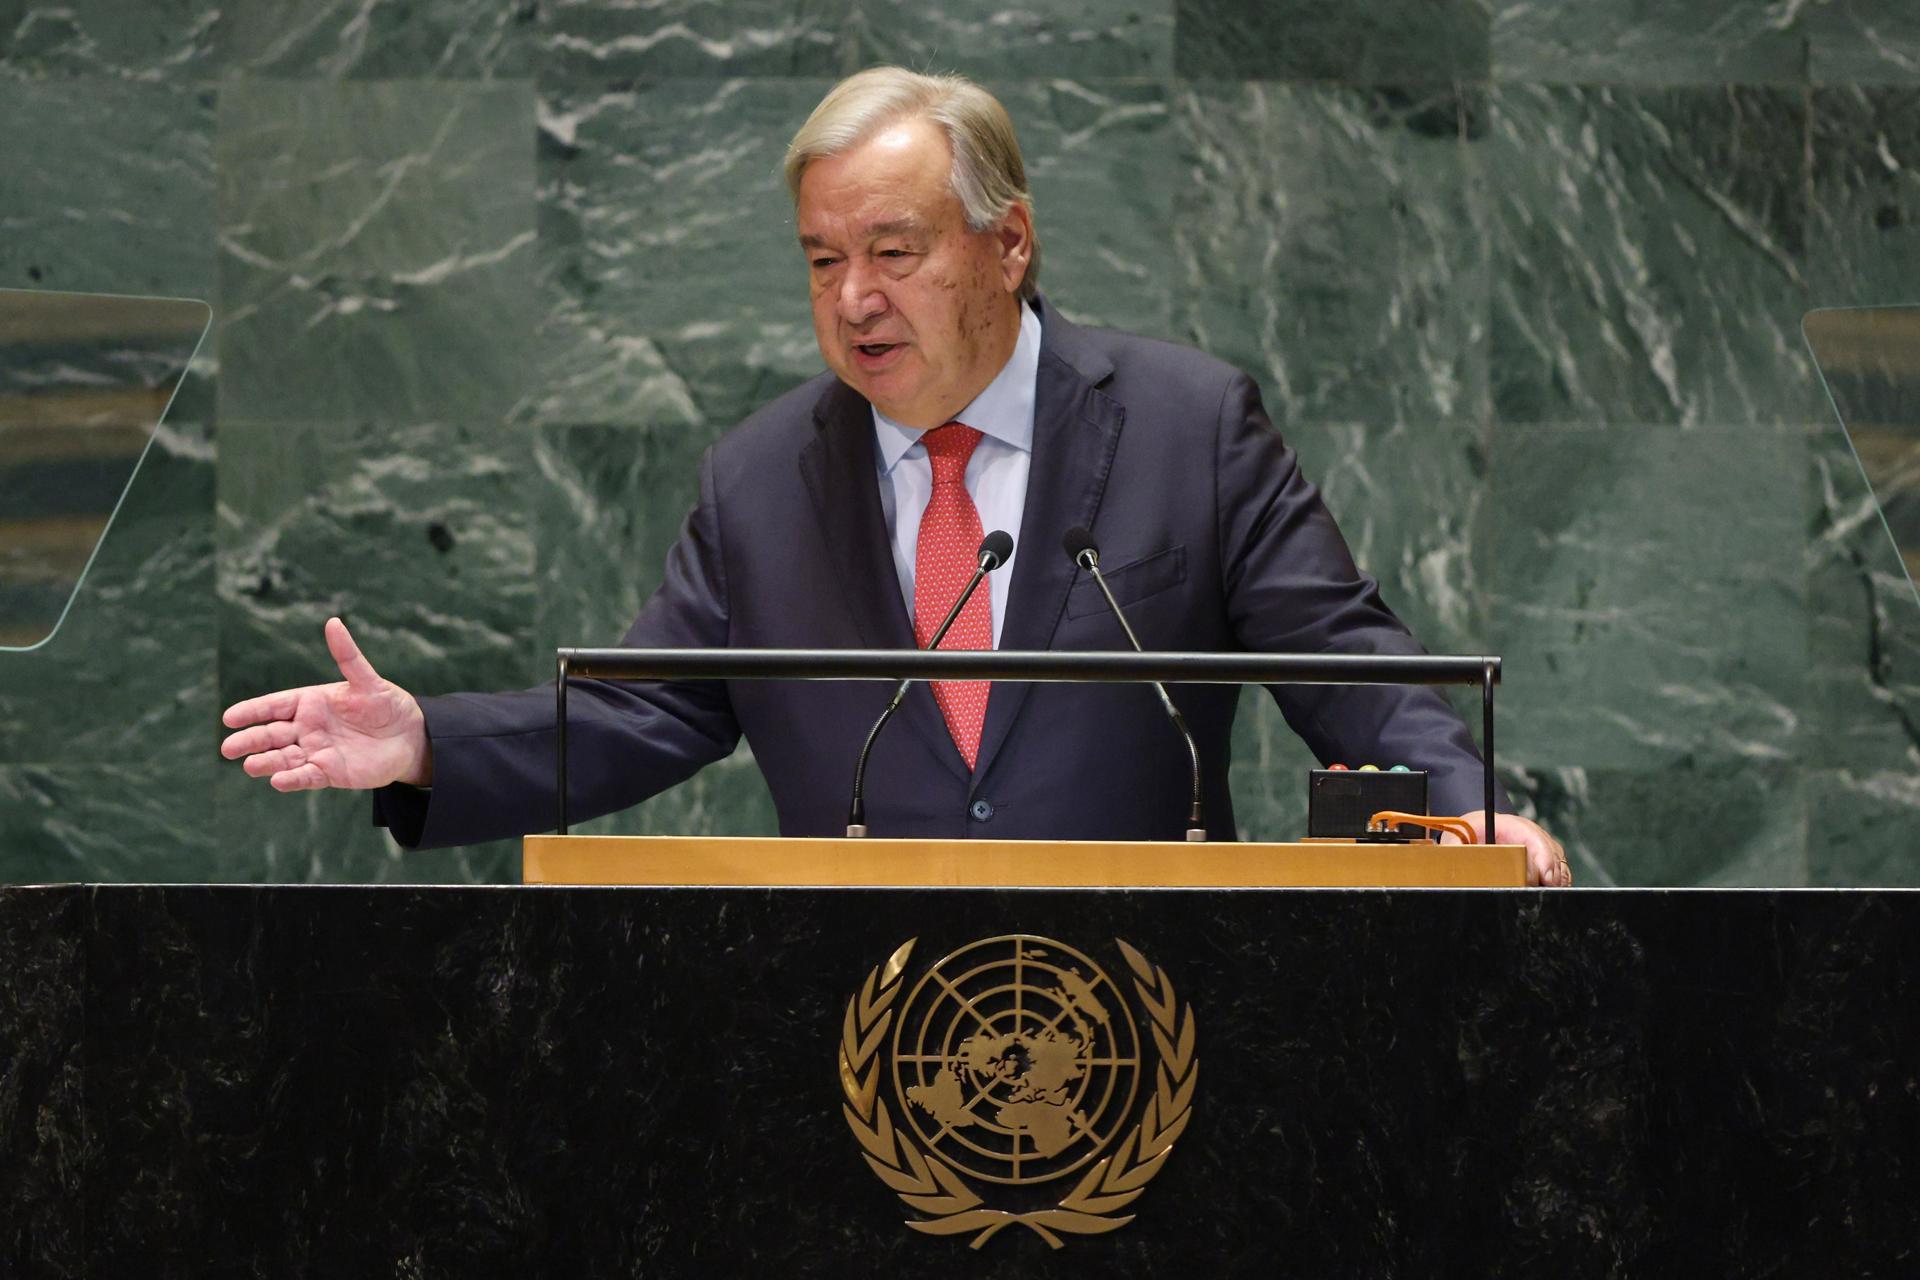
{"points": [[838, 468], [1076, 429]]}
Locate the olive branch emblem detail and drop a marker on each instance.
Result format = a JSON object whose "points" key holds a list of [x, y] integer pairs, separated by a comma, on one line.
{"points": [[931, 1186]]}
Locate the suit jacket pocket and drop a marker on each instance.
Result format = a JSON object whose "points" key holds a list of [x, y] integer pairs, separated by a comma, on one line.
{"points": [[1133, 581]]}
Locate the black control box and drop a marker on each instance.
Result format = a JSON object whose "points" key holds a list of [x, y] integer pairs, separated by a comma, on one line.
{"points": [[1339, 801]]}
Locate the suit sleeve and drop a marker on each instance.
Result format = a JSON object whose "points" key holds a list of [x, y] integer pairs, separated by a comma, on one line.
{"points": [[1292, 587], [494, 754]]}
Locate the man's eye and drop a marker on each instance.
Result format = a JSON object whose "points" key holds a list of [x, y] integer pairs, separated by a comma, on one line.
{"points": [[821, 264], [893, 253]]}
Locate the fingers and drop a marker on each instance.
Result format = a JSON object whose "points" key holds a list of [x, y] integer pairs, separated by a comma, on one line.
{"points": [[269, 706], [1549, 859], [353, 664], [287, 769], [266, 737], [1542, 863], [268, 763], [306, 778], [1546, 857]]}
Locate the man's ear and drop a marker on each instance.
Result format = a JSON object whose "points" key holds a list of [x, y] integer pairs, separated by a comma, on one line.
{"points": [[1014, 237]]}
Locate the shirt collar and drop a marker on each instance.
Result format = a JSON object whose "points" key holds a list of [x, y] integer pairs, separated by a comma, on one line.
{"points": [[1004, 410]]}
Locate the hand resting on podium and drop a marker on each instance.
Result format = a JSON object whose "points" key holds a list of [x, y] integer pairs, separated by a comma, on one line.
{"points": [[359, 733], [1546, 858]]}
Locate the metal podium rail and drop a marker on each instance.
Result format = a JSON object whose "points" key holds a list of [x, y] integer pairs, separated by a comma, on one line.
{"points": [[1098, 667]]}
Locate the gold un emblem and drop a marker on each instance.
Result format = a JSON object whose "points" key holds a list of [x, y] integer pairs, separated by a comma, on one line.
{"points": [[1012, 1064]]}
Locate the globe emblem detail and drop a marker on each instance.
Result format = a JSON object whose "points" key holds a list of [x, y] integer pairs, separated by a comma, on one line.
{"points": [[1015, 1059]]}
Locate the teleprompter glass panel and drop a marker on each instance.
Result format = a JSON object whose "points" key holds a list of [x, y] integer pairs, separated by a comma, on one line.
{"points": [[84, 381], [1870, 359]]}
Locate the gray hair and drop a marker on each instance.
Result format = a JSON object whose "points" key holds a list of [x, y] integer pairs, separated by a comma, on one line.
{"points": [[988, 176]]}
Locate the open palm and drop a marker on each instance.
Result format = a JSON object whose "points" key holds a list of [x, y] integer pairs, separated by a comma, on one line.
{"points": [[357, 733]]}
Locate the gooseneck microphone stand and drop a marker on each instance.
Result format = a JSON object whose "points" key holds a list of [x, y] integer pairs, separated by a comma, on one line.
{"points": [[995, 549], [1082, 551]]}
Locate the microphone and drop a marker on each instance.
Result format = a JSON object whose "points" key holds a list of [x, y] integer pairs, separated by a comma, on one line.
{"points": [[995, 550], [1082, 550]]}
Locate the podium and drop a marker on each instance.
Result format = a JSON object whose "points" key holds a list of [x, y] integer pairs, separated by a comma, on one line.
{"points": [[590, 1081], [1013, 864]]}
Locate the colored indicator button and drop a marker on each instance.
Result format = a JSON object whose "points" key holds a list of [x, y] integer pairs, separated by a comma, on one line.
{"points": [[1340, 768], [1399, 768], [1369, 768]]}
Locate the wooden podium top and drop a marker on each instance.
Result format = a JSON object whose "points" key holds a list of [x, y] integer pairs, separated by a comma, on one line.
{"points": [[768, 861]]}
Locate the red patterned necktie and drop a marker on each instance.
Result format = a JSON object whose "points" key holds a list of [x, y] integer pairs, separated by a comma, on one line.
{"points": [[945, 557]]}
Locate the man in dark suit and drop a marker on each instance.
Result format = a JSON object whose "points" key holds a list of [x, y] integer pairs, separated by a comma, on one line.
{"points": [[846, 513]]}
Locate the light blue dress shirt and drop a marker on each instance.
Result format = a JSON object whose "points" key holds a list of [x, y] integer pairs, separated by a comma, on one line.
{"points": [[996, 474]]}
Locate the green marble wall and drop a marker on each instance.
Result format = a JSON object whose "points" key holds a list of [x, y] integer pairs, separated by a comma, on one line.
{"points": [[1522, 282]]}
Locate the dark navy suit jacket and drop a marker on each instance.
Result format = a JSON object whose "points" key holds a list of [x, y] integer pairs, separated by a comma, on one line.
{"points": [[1209, 536]]}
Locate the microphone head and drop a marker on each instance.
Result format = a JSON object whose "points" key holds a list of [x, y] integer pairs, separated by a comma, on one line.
{"points": [[1080, 546], [995, 549]]}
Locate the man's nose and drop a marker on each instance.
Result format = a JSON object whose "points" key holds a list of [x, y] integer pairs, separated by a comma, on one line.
{"points": [[861, 297]]}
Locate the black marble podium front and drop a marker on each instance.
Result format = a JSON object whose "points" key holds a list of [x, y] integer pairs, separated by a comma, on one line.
{"points": [[417, 1082]]}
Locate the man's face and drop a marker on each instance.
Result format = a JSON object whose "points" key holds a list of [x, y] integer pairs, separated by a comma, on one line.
{"points": [[913, 310]]}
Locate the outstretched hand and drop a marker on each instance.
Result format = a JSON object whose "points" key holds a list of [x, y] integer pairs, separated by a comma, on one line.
{"points": [[358, 733], [1546, 858]]}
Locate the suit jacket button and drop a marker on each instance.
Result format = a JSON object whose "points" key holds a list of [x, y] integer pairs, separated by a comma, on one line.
{"points": [[980, 810]]}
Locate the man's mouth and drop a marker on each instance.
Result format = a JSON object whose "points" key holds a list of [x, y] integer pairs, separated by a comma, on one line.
{"points": [[871, 357]]}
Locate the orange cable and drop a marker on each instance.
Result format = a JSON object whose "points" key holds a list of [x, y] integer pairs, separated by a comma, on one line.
{"points": [[1458, 826]]}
